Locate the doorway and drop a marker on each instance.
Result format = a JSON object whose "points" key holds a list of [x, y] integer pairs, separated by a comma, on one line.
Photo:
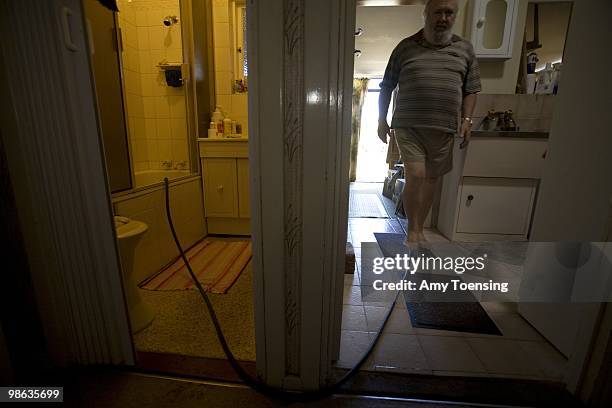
{"points": [[151, 120], [413, 343]]}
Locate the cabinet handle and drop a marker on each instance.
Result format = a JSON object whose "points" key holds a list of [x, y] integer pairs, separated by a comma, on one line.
{"points": [[469, 200], [220, 188], [480, 22]]}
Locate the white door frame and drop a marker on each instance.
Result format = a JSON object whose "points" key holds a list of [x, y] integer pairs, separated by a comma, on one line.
{"points": [[300, 79]]}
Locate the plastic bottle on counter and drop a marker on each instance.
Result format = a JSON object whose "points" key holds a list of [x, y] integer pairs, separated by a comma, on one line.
{"points": [[212, 130], [227, 127], [217, 119]]}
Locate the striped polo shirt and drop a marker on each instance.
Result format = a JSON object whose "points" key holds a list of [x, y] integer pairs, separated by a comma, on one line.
{"points": [[432, 82]]}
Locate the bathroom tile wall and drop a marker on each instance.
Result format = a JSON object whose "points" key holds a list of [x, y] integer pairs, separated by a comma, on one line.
{"points": [[156, 112], [532, 112], [234, 104]]}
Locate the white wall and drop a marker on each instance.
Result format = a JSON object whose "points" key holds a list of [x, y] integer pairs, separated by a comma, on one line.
{"points": [[384, 27], [576, 186], [573, 202]]}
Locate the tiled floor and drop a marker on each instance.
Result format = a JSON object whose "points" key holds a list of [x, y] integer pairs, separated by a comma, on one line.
{"points": [[520, 353]]}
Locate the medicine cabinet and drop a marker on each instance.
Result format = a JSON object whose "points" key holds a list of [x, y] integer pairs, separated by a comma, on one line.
{"points": [[493, 27]]}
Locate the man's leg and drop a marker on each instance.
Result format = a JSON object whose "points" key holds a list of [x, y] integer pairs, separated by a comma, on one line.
{"points": [[412, 197], [428, 190]]}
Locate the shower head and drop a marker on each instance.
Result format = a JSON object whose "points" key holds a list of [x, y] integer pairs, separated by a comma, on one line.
{"points": [[169, 20]]}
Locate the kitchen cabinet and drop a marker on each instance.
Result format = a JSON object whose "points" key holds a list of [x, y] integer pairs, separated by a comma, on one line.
{"points": [[489, 205], [225, 182], [490, 193], [492, 27]]}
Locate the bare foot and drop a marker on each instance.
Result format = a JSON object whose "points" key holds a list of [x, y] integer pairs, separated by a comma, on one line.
{"points": [[423, 241], [412, 240]]}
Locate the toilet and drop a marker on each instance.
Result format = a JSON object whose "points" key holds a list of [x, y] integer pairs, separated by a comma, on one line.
{"points": [[129, 233]]}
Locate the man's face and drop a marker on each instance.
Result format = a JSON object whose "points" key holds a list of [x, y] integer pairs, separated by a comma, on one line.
{"points": [[440, 15]]}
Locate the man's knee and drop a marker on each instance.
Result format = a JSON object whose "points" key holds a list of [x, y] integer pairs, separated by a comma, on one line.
{"points": [[415, 172]]}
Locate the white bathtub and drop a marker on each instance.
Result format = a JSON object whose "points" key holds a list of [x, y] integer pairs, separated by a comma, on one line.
{"points": [[148, 177], [147, 204]]}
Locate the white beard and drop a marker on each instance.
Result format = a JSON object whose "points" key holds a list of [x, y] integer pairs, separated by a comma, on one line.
{"points": [[438, 37]]}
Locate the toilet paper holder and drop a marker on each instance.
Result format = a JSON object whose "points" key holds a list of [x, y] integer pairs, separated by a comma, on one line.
{"points": [[176, 73]]}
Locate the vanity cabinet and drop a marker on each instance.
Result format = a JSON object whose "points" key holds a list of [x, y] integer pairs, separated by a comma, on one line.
{"points": [[492, 27], [491, 191], [225, 182]]}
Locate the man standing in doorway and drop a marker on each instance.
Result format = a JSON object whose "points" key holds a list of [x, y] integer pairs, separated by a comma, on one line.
{"points": [[438, 79]]}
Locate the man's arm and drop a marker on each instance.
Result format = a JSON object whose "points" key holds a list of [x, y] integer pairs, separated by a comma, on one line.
{"points": [[383, 107], [469, 102]]}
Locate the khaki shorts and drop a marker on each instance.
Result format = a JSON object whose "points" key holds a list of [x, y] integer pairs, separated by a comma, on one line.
{"points": [[432, 146]]}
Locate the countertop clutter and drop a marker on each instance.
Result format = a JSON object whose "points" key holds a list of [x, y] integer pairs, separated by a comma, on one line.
{"points": [[510, 134]]}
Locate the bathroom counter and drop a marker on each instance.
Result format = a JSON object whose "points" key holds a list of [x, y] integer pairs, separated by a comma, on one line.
{"points": [[223, 139]]}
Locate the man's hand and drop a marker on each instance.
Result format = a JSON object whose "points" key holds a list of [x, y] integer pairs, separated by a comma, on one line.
{"points": [[383, 130], [465, 133]]}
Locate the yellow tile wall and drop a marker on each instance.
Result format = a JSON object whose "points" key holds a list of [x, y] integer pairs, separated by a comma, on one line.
{"points": [[156, 112]]}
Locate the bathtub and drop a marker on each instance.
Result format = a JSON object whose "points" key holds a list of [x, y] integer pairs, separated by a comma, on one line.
{"points": [[148, 177], [147, 204]]}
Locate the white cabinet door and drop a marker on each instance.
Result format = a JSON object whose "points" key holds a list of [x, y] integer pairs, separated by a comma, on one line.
{"points": [[493, 26], [491, 205]]}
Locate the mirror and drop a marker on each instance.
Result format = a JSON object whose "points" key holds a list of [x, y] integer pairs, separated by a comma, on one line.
{"points": [[546, 30], [239, 45]]}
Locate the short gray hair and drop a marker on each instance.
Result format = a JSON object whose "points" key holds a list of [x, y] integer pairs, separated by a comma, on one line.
{"points": [[428, 3]]}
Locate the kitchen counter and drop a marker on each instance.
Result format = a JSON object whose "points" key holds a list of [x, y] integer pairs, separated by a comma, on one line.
{"points": [[510, 134]]}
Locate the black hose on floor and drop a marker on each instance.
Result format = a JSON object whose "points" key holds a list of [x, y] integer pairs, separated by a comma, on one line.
{"points": [[254, 383]]}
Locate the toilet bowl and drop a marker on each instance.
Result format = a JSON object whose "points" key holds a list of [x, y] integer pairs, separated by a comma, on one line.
{"points": [[129, 233]]}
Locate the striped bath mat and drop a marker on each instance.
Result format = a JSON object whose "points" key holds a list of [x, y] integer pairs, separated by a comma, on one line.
{"points": [[217, 264]]}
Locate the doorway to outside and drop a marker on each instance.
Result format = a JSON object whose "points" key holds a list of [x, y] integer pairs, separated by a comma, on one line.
{"points": [[371, 153]]}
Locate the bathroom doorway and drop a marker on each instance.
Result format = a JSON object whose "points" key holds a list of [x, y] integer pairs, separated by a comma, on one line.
{"points": [[147, 60]]}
